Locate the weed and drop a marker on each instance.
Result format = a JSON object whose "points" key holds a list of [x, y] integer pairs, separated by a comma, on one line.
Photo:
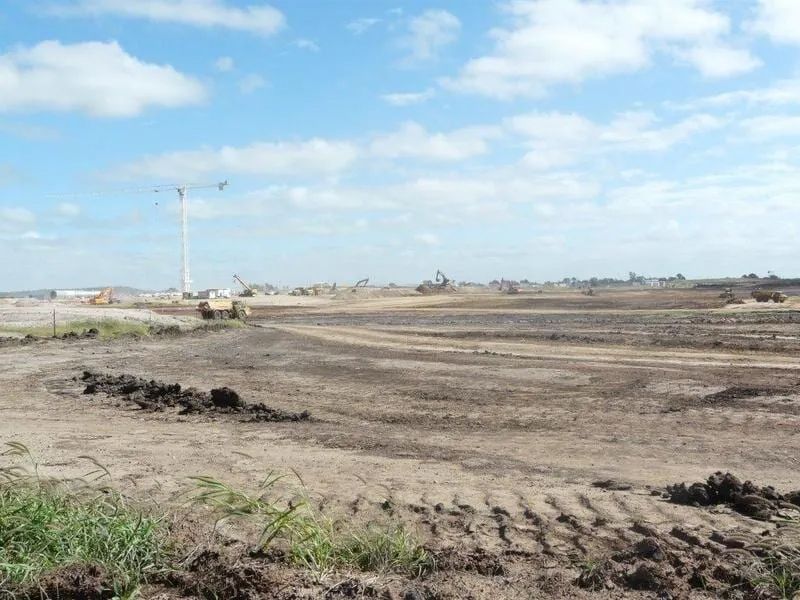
{"points": [[592, 574], [48, 524], [311, 538], [778, 573]]}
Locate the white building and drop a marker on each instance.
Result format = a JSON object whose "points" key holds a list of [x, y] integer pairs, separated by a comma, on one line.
{"points": [[214, 293]]}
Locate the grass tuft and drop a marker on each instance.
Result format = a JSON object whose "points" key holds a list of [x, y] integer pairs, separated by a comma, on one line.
{"points": [[778, 573], [313, 540], [47, 524]]}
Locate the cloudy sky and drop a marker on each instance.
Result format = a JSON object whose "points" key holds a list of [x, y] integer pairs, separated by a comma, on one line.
{"points": [[516, 138]]}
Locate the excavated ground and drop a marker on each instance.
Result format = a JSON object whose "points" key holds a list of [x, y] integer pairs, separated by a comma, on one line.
{"points": [[530, 446]]}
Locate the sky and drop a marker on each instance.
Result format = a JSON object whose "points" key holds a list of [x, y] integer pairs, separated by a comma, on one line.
{"points": [[387, 139]]}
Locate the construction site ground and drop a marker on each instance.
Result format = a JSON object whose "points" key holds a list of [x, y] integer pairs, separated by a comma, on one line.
{"points": [[483, 421]]}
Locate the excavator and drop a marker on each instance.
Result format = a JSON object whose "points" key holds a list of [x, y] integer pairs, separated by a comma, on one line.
{"points": [[362, 282], [248, 292], [508, 287], [104, 297], [441, 283]]}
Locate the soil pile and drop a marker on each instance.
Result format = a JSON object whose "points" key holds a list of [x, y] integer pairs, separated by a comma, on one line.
{"points": [[682, 563], [746, 498], [156, 396]]}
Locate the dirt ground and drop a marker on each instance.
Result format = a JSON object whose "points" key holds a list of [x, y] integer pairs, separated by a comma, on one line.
{"points": [[485, 421]]}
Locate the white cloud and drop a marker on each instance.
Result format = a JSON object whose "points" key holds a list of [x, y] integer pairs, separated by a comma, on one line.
{"points": [[553, 42], [67, 209], [782, 92], [408, 98], [429, 32], [428, 239], [412, 140], [778, 19], [306, 44], [362, 25], [261, 19], [16, 214], [772, 126], [312, 157], [250, 83], [97, 78], [716, 60], [558, 139], [224, 64]]}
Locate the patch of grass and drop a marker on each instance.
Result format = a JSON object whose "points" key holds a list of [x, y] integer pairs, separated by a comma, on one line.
{"points": [[592, 574], [108, 328], [46, 525], [778, 573], [313, 540]]}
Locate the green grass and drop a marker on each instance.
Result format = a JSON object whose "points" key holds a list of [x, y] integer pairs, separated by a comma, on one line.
{"points": [[777, 574], [108, 328], [311, 539], [49, 524]]}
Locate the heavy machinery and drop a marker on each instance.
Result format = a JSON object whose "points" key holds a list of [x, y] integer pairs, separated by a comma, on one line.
{"points": [[767, 295], [509, 287], [301, 291], [104, 297], [441, 284], [362, 282], [248, 292], [223, 309]]}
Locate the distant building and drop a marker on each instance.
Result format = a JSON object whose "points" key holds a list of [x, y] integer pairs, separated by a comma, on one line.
{"points": [[654, 282], [73, 294], [213, 293]]}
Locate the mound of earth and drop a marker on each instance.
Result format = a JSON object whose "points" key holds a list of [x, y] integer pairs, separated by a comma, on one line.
{"points": [[746, 498], [156, 396]]}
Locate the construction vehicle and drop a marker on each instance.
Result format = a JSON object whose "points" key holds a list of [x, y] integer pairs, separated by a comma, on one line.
{"points": [[442, 283], [509, 287], [248, 292], [362, 282], [104, 297], [767, 295], [223, 309], [300, 291]]}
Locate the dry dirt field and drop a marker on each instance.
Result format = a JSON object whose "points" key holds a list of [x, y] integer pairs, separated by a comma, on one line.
{"points": [[486, 422]]}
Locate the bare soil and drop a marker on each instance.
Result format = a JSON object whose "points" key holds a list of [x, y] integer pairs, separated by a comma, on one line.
{"points": [[528, 439]]}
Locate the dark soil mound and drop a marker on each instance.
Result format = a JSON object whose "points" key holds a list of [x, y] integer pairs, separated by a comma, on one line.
{"points": [[744, 497], [75, 582], [156, 396]]}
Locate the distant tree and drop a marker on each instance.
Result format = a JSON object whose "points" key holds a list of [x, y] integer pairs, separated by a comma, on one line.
{"points": [[750, 276], [773, 276], [632, 276], [680, 277]]}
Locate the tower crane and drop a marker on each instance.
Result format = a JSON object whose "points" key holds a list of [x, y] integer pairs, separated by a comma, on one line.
{"points": [[182, 190]]}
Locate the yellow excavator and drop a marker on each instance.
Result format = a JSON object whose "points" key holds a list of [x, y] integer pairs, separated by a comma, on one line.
{"points": [[104, 297]]}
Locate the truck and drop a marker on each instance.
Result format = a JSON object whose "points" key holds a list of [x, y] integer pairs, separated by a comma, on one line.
{"points": [[223, 309], [767, 295]]}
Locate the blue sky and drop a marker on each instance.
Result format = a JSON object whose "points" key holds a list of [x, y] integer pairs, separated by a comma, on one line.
{"points": [[508, 138]]}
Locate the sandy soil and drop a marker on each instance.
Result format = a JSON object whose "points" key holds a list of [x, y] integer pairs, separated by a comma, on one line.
{"points": [[39, 314], [483, 420]]}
